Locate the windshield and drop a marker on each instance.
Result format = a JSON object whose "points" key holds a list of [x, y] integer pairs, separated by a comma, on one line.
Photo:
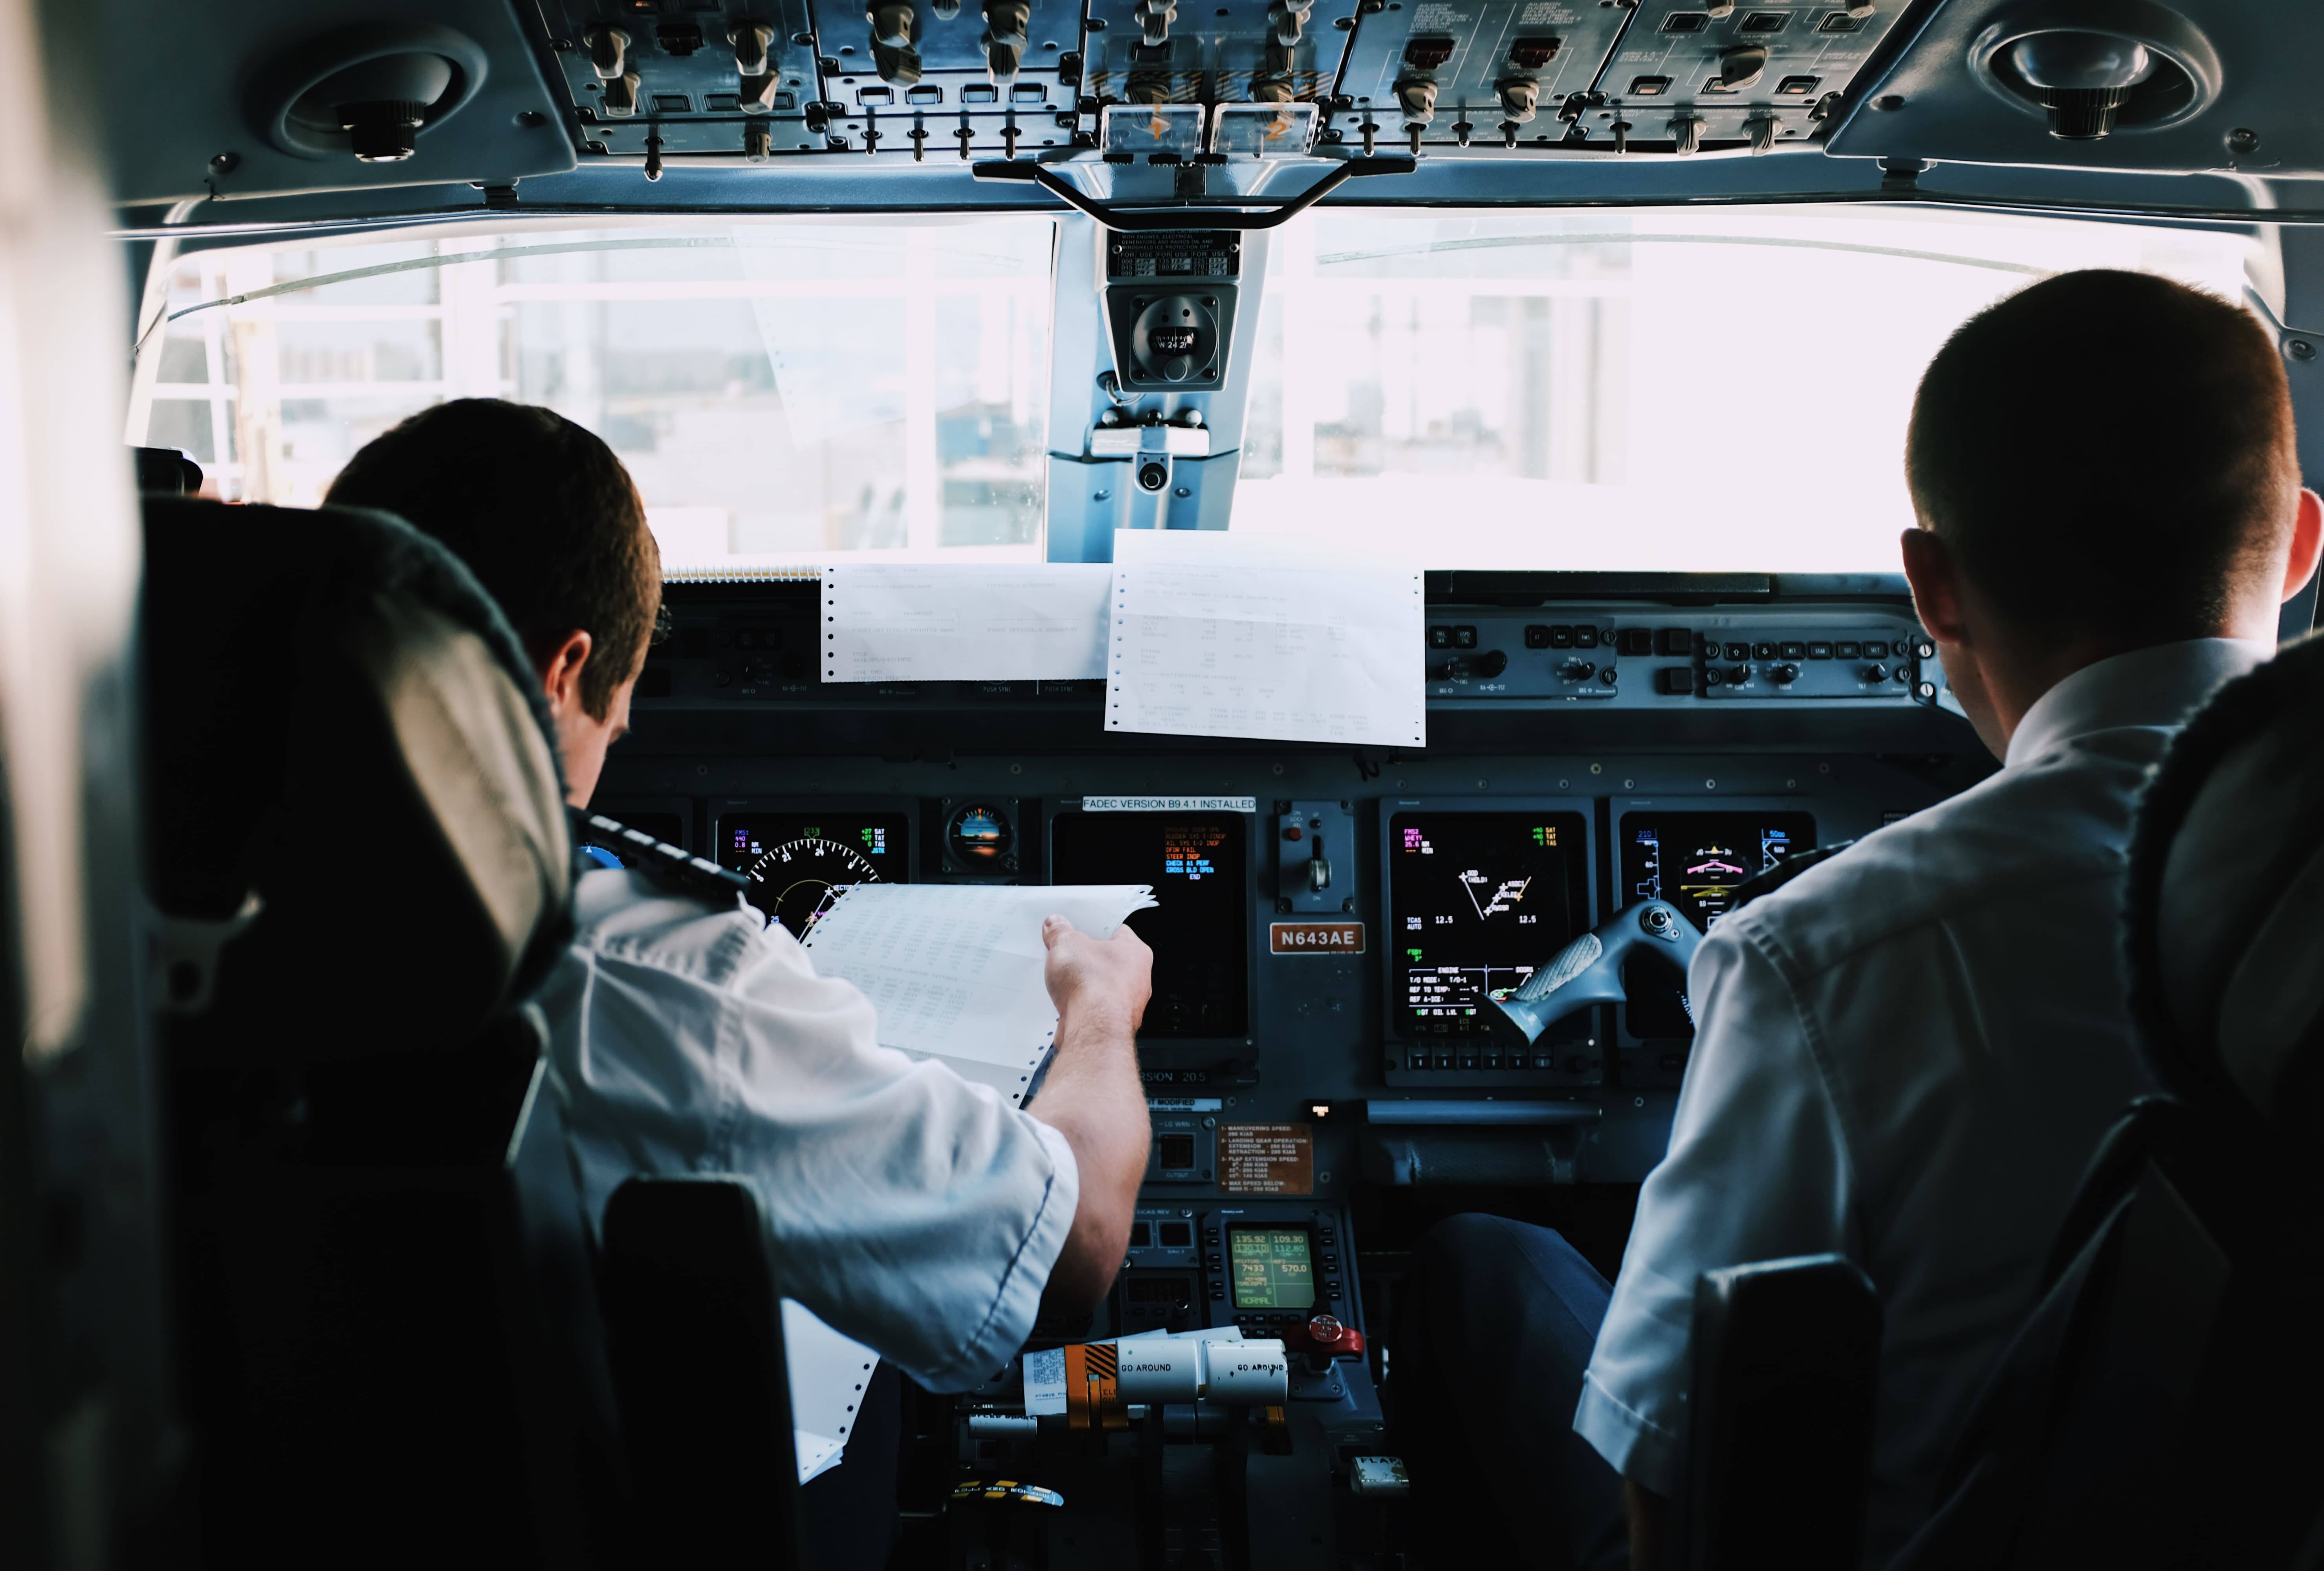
{"points": [[780, 392], [1700, 389], [1668, 391]]}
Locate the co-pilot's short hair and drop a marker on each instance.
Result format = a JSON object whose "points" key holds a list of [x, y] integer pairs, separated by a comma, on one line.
{"points": [[2107, 453]]}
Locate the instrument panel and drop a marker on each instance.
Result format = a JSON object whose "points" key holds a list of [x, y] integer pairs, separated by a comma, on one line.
{"points": [[1333, 922]]}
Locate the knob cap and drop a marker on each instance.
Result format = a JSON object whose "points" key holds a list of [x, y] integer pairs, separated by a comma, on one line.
{"points": [[1492, 663]]}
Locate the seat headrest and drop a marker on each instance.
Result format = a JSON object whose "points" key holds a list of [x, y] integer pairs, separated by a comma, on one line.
{"points": [[340, 721], [2225, 949]]}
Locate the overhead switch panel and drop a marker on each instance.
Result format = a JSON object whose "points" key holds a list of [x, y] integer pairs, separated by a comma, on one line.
{"points": [[1689, 77], [1490, 67]]}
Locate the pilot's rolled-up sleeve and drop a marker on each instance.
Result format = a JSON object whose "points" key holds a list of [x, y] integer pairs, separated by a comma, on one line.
{"points": [[1757, 1169], [909, 1209]]}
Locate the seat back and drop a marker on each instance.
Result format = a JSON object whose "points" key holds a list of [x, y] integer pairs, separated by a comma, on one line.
{"points": [[1786, 1369], [556, 1341], [2138, 1416], [697, 1338], [359, 868]]}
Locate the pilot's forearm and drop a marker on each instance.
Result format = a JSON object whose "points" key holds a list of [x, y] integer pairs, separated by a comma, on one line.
{"points": [[1094, 1099]]}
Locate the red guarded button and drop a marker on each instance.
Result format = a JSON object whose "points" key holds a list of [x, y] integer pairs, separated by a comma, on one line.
{"points": [[1326, 1333]]}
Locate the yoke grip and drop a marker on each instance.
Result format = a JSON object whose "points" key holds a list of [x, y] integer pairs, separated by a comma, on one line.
{"points": [[1589, 970]]}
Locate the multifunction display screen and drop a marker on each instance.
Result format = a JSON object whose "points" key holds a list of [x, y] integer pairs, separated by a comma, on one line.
{"points": [[1274, 1268], [1694, 860], [1200, 932], [1476, 902], [798, 862]]}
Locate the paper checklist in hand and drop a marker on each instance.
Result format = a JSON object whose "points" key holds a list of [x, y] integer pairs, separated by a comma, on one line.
{"points": [[1217, 635], [955, 971]]}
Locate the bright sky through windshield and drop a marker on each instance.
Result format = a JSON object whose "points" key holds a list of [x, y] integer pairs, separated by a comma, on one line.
{"points": [[1668, 391], [1698, 390]]}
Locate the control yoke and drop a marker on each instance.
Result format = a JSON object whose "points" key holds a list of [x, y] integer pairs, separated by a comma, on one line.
{"points": [[1589, 970]]}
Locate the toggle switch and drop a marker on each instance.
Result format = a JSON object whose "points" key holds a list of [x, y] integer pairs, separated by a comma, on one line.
{"points": [[1520, 98], [1004, 40]]}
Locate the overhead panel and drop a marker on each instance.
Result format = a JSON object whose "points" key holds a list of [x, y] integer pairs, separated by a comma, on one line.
{"points": [[1452, 72], [1181, 51], [736, 81], [1687, 77], [1003, 71]]}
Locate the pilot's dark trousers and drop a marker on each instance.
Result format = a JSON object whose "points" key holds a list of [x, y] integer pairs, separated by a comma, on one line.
{"points": [[1492, 1335]]}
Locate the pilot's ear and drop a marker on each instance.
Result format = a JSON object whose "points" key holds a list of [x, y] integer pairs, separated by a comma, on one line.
{"points": [[1935, 577], [561, 672], [2307, 544]]}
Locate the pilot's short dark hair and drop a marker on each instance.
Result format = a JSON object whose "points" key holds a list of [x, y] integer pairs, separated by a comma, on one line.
{"points": [[543, 514], [2106, 454]]}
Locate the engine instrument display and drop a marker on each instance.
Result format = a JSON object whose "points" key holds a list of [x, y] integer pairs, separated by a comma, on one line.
{"points": [[1695, 860], [1198, 866], [1476, 902], [798, 862], [1274, 1268]]}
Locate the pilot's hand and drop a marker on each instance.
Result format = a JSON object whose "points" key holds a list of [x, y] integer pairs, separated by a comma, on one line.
{"points": [[1089, 974]]}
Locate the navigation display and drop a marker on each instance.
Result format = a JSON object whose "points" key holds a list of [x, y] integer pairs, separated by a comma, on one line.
{"points": [[1476, 902], [1197, 863], [1273, 1268], [798, 862], [1694, 860]]}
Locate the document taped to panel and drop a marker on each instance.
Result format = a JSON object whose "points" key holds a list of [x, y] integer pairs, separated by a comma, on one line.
{"points": [[1217, 635], [973, 621], [954, 972]]}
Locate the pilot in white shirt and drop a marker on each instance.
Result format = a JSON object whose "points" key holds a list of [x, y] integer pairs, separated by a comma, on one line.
{"points": [[1855, 1089], [1907, 1054], [909, 1210], [916, 1212]]}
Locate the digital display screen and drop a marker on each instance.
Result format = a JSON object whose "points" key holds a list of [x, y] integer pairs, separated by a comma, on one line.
{"points": [[604, 850], [1274, 1268], [1201, 931], [798, 862], [1694, 860], [1476, 902]]}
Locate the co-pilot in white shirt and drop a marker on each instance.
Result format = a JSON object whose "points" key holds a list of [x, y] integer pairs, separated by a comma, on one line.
{"points": [[908, 1209], [1906, 1056]]}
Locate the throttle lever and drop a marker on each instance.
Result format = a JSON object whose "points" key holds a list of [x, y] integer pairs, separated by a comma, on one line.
{"points": [[1589, 970]]}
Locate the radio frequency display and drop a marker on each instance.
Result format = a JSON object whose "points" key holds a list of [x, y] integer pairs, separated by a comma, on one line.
{"points": [[1477, 901]]}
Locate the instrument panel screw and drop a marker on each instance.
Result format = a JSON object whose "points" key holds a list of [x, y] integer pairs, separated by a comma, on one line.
{"points": [[2301, 349], [2242, 140]]}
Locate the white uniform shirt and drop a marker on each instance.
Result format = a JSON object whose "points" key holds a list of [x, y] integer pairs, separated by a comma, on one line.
{"points": [[907, 1208], [1906, 1056]]}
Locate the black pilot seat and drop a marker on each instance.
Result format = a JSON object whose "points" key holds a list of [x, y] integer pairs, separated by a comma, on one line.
{"points": [[390, 1329]]}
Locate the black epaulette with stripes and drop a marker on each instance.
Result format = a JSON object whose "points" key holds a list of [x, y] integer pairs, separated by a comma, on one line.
{"points": [[1781, 874], [673, 867]]}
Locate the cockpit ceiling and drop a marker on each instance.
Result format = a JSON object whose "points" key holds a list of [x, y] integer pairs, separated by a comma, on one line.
{"points": [[834, 105]]}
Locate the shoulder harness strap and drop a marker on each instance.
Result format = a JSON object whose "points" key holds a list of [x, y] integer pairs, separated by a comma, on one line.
{"points": [[671, 867]]}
